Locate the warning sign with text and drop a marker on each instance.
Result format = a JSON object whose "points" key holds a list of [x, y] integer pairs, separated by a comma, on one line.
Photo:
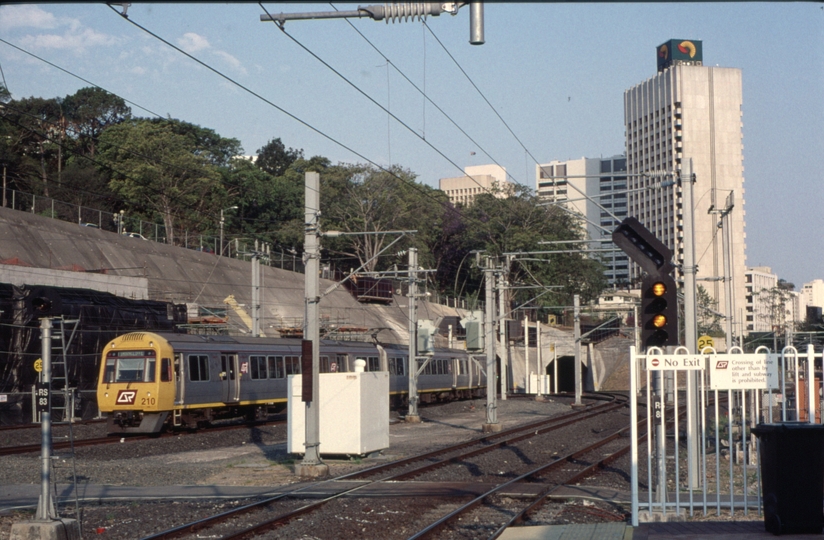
{"points": [[743, 371], [668, 362]]}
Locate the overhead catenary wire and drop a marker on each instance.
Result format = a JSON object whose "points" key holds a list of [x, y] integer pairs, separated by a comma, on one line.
{"points": [[373, 100], [76, 76], [287, 113], [424, 94], [475, 86]]}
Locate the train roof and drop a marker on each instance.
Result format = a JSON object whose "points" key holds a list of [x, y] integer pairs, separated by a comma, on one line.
{"points": [[178, 340]]}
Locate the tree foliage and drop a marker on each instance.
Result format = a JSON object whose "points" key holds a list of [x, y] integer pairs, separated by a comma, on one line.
{"points": [[89, 111], [275, 158], [160, 172]]}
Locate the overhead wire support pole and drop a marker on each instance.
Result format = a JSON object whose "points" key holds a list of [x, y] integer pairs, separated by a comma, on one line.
{"points": [[503, 287], [413, 416], [312, 465], [577, 335], [687, 179], [491, 424]]}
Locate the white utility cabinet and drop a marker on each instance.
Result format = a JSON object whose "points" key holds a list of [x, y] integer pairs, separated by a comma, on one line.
{"points": [[354, 413]]}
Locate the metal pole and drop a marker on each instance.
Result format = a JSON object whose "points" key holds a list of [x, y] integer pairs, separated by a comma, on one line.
{"points": [[489, 316], [502, 332], [221, 233], [540, 360], [413, 415], [577, 335], [728, 288], [526, 355], [690, 330], [311, 331], [476, 23], [555, 366], [256, 292], [45, 506]]}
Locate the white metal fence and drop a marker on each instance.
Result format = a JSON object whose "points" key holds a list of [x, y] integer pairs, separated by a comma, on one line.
{"points": [[700, 408]]}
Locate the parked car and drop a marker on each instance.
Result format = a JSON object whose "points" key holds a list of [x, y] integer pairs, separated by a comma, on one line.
{"points": [[135, 235], [92, 225]]}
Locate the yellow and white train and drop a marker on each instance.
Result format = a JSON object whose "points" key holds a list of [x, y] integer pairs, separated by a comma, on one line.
{"points": [[151, 381]]}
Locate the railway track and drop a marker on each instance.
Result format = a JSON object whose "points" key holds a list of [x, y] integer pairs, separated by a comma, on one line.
{"points": [[391, 479], [94, 441]]}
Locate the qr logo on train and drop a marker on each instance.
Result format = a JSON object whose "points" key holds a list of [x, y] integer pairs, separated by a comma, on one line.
{"points": [[126, 397]]}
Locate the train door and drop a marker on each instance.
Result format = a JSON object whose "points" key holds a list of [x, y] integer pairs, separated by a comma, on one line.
{"points": [[180, 372], [455, 368], [230, 376]]}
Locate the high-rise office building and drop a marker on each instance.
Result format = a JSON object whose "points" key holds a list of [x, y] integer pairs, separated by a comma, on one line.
{"points": [[689, 111], [595, 189]]}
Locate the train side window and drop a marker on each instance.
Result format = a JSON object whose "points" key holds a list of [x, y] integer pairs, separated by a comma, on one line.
{"points": [[258, 367], [396, 366], [373, 363], [292, 365], [198, 367], [166, 370], [276, 367], [324, 365], [340, 360]]}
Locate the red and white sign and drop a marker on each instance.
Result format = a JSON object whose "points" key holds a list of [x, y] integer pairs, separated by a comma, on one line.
{"points": [[672, 362], [126, 397]]}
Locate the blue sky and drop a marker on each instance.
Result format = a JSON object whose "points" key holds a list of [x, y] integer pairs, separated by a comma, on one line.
{"points": [[555, 73]]}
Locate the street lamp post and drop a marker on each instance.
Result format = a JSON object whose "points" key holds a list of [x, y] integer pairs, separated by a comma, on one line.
{"points": [[221, 227]]}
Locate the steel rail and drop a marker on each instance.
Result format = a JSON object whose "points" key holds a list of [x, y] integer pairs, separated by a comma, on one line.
{"points": [[581, 415], [506, 437], [63, 445], [617, 401], [539, 499]]}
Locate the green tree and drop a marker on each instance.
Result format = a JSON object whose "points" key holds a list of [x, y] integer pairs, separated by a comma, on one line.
{"points": [[157, 170], [517, 223], [275, 159], [88, 112], [33, 128], [207, 143], [363, 198]]}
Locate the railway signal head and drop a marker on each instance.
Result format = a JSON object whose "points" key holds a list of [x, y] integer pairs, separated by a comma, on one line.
{"points": [[659, 311], [643, 247]]}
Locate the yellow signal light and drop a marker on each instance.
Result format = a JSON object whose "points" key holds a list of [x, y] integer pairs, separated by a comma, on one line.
{"points": [[658, 288], [659, 321]]}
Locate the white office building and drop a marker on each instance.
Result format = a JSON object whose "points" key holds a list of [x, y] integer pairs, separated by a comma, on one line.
{"points": [[478, 179], [594, 189], [814, 293], [689, 111]]}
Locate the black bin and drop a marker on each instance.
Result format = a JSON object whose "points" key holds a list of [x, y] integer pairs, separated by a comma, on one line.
{"points": [[792, 476]]}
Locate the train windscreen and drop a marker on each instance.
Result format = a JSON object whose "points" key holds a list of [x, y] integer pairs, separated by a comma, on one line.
{"points": [[130, 366]]}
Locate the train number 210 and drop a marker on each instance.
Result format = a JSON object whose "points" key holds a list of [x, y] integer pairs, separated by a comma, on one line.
{"points": [[147, 401]]}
